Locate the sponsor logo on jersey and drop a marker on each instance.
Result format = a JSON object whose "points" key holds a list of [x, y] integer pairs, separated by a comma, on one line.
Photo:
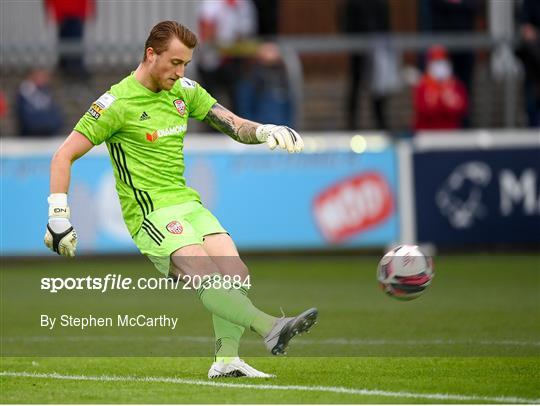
{"points": [[144, 116], [180, 106], [152, 137], [175, 227], [165, 132], [95, 111], [352, 206], [104, 102]]}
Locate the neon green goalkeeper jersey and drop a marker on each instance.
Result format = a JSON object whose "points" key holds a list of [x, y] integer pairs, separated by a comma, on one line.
{"points": [[144, 132]]}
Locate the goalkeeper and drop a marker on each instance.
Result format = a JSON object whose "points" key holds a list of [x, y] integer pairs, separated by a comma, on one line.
{"points": [[143, 120]]}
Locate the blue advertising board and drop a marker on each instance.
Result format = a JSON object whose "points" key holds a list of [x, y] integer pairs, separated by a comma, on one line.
{"points": [[478, 196], [266, 200]]}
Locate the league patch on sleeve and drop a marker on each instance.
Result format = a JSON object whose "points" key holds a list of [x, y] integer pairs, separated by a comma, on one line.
{"points": [[104, 102], [188, 83]]}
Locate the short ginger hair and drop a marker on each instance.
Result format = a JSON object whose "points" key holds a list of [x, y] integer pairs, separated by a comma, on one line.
{"points": [[161, 34]]}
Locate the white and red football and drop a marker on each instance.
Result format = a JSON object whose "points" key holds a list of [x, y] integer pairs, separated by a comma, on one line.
{"points": [[405, 272]]}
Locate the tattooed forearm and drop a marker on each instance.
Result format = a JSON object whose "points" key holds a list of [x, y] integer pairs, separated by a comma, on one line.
{"points": [[228, 123]]}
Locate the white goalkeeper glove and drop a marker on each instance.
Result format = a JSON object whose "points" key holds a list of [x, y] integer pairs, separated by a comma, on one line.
{"points": [[60, 236], [281, 135]]}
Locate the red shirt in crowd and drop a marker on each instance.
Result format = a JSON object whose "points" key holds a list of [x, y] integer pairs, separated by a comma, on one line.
{"points": [[439, 104], [3, 105], [62, 9]]}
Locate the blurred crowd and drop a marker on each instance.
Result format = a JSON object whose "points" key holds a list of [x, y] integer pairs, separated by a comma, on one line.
{"points": [[241, 65]]}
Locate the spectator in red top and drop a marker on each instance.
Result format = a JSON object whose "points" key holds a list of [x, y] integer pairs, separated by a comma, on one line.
{"points": [[440, 99], [3, 105], [71, 15]]}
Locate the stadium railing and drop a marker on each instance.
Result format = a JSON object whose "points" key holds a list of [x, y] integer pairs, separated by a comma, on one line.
{"points": [[293, 47], [126, 53]]}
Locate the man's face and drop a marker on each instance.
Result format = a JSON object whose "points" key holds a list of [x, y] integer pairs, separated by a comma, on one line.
{"points": [[169, 66]]}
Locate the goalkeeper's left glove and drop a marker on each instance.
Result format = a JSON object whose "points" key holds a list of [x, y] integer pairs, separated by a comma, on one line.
{"points": [[60, 236], [281, 135]]}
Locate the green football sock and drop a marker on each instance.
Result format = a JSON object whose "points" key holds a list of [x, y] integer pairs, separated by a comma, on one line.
{"points": [[227, 336], [235, 307]]}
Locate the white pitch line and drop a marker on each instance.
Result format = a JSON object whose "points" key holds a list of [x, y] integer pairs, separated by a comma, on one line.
{"points": [[303, 341], [354, 341], [327, 389]]}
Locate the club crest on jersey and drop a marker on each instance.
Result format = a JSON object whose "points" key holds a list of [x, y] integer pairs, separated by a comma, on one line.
{"points": [[180, 106], [175, 227]]}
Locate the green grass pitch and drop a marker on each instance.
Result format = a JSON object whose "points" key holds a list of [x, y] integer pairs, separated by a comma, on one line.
{"points": [[473, 337]]}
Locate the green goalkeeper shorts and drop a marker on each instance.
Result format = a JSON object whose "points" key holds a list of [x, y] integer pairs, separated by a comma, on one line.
{"points": [[170, 228]]}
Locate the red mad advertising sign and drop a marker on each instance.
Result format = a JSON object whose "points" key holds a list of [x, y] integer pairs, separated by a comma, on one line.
{"points": [[352, 206]]}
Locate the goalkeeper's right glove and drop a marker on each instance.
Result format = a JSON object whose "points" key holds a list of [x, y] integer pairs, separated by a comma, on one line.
{"points": [[60, 235], [281, 135]]}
